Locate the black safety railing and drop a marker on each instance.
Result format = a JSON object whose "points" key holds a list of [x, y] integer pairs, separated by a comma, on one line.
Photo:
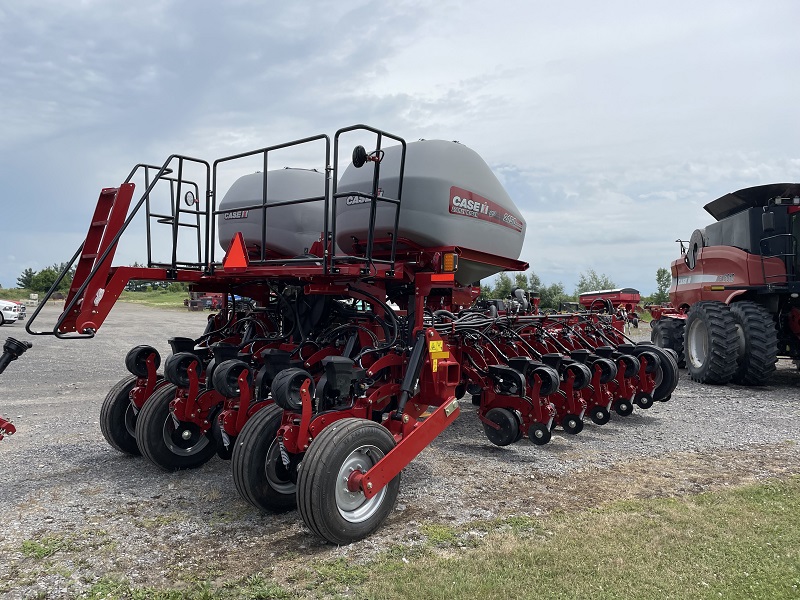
{"points": [[784, 247]]}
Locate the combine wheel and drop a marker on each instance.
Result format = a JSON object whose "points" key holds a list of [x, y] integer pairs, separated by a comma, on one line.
{"points": [[572, 424], [668, 334], [758, 343], [117, 418], [509, 427], [711, 343], [539, 434], [165, 444], [328, 499], [623, 408], [258, 469], [599, 415]]}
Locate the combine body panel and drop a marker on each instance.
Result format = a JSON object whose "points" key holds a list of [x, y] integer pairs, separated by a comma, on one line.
{"points": [[355, 343], [735, 292]]}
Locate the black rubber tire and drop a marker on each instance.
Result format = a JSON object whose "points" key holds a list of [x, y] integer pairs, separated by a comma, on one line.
{"points": [[539, 434], [226, 377], [572, 424], [668, 333], [757, 343], [608, 369], [711, 343], [117, 418], [550, 379], [583, 374], [136, 359], [286, 388], [666, 372], [509, 427], [623, 408], [324, 503], [599, 415], [268, 487], [643, 400], [155, 425], [176, 368]]}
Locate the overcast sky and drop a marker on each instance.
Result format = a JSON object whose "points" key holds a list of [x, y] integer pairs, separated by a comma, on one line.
{"points": [[611, 124]]}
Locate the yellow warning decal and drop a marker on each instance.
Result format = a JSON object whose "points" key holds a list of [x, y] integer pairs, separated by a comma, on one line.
{"points": [[438, 355], [435, 365], [435, 345]]}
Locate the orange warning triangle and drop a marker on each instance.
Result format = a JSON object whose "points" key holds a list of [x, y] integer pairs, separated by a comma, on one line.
{"points": [[236, 257]]}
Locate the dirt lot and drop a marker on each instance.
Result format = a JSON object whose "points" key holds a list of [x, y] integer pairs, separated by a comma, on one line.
{"points": [[73, 510]]}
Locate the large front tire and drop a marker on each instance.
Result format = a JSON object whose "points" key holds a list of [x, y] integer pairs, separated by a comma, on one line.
{"points": [[328, 507], [711, 343], [118, 419], [260, 476], [757, 343], [166, 445]]}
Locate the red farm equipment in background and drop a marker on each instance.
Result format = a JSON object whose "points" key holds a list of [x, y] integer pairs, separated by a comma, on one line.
{"points": [[622, 301], [735, 293], [361, 331]]}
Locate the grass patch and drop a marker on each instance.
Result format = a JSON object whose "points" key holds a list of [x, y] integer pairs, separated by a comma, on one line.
{"points": [[47, 546], [158, 298], [739, 544]]}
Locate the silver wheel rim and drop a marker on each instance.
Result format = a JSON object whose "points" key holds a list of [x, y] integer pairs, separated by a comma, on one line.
{"points": [[167, 433], [698, 344], [275, 482], [354, 506]]}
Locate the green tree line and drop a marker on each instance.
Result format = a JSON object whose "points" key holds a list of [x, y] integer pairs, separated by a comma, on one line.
{"points": [[42, 281]]}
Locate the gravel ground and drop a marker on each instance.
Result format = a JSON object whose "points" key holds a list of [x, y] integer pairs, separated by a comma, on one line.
{"points": [[99, 513]]}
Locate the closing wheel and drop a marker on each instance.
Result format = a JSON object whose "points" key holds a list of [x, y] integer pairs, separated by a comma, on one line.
{"points": [[539, 434], [666, 374], [117, 418], [328, 499], [572, 423], [259, 473], [166, 444], [623, 408], [508, 423], [711, 343], [643, 400], [757, 343], [599, 415]]}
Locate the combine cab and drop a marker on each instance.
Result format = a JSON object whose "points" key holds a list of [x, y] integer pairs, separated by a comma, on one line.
{"points": [[361, 331], [735, 294]]}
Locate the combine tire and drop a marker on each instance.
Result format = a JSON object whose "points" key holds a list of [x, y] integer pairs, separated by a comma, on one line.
{"points": [[758, 343], [165, 445], [328, 507], [711, 343], [117, 418], [259, 473], [668, 333]]}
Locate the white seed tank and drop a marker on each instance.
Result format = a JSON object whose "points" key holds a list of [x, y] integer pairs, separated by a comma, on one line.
{"points": [[290, 229], [450, 197]]}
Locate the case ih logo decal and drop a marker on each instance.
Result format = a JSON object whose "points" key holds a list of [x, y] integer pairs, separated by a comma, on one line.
{"points": [[467, 204], [237, 214]]}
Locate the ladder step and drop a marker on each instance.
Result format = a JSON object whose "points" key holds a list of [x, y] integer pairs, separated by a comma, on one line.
{"points": [[100, 223], [92, 256]]}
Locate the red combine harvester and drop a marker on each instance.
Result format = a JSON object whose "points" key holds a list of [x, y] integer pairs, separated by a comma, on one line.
{"points": [[361, 331], [735, 294]]}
